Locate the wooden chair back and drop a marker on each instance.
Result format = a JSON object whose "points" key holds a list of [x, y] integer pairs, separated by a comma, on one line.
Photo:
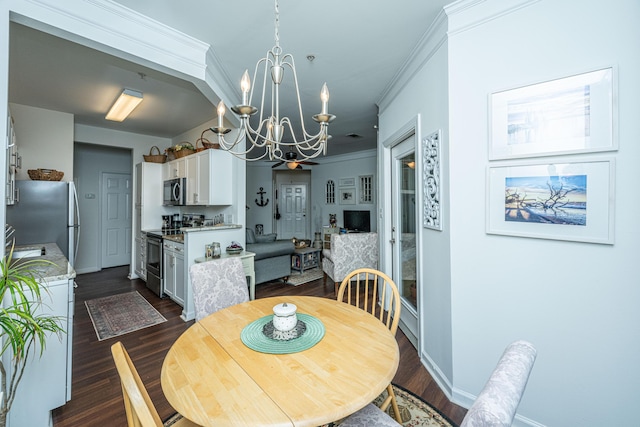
{"points": [[138, 405], [363, 288]]}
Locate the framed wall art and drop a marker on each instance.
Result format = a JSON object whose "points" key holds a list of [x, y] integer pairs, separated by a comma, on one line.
{"points": [[431, 214], [566, 200], [570, 115], [347, 182], [348, 196]]}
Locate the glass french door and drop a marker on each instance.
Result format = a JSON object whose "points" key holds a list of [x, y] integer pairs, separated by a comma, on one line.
{"points": [[404, 233]]}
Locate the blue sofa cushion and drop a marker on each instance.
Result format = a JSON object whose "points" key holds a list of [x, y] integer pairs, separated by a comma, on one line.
{"points": [[271, 249]]}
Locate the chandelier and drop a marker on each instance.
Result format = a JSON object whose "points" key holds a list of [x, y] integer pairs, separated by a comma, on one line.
{"points": [[266, 140]]}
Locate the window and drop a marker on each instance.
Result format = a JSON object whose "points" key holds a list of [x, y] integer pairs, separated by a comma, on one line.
{"points": [[366, 189], [331, 192]]}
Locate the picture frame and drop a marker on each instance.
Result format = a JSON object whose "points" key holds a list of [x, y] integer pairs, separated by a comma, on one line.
{"points": [[568, 199], [348, 182], [431, 190], [569, 115], [348, 196]]}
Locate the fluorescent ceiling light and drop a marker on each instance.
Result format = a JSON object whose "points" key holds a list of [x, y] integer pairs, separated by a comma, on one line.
{"points": [[124, 105]]}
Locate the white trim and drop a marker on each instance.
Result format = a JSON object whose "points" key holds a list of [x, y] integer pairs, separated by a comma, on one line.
{"points": [[462, 13], [432, 40]]}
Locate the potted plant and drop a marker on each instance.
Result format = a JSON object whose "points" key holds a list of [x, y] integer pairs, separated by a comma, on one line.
{"points": [[180, 150], [23, 327]]}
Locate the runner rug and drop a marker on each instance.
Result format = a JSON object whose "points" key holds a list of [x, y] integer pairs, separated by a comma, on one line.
{"points": [[120, 314], [308, 276]]}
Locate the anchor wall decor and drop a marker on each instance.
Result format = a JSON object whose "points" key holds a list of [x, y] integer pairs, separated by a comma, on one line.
{"points": [[262, 201]]}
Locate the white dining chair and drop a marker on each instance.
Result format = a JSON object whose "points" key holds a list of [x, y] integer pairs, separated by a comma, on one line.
{"points": [[218, 284]]}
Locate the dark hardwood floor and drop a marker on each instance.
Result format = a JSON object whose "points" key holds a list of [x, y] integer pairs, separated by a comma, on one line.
{"points": [[96, 395]]}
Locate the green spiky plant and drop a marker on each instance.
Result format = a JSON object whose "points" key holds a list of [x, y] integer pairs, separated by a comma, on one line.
{"points": [[23, 327]]}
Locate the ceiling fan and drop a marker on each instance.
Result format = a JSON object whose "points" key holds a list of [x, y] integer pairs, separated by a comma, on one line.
{"points": [[291, 162]]}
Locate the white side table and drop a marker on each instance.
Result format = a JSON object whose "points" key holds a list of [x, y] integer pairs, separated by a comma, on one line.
{"points": [[247, 264]]}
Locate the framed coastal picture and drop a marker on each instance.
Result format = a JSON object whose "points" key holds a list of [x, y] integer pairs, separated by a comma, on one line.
{"points": [[566, 200], [569, 115], [347, 196]]}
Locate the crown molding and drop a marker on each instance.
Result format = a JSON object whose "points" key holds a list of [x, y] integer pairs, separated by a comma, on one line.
{"points": [[432, 40], [467, 14]]}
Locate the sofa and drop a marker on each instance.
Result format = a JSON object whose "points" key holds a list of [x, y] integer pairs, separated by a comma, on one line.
{"points": [[273, 256]]}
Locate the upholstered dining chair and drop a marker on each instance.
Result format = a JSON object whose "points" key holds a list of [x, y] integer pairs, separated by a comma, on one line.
{"points": [[498, 401], [137, 404], [348, 252], [217, 284], [369, 290]]}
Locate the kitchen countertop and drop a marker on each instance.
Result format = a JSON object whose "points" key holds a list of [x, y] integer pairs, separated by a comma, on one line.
{"points": [[59, 269], [179, 238], [210, 228]]}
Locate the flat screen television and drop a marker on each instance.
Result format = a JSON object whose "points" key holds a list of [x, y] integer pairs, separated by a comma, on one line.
{"points": [[357, 221]]}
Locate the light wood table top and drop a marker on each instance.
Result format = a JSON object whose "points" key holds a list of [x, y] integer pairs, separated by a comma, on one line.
{"points": [[212, 378]]}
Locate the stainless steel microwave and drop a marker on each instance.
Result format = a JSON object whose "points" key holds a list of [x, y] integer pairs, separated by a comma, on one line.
{"points": [[175, 192]]}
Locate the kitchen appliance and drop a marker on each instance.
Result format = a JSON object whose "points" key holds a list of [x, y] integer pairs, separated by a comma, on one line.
{"points": [[154, 262], [46, 212], [175, 192]]}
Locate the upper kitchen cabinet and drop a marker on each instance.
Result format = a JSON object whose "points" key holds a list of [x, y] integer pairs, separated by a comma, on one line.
{"points": [[175, 169]]}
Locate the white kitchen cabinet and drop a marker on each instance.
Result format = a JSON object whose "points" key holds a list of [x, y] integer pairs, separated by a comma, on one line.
{"points": [[192, 169], [148, 210], [175, 169], [141, 256], [210, 178], [174, 270], [49, 376]]}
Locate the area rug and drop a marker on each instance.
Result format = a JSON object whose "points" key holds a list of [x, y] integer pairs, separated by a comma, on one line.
{"points": [[308, 276], [120, 314], [415, 412]]}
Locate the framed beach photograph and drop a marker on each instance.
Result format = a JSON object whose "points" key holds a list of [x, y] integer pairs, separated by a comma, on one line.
{"points": [[570, 115], [348, 196], [566, 200]]}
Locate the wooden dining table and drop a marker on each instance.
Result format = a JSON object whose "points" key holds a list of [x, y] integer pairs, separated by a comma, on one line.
{"points": [[212, 378]]}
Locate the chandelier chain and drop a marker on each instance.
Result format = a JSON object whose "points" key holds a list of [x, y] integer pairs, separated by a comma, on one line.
{"points": [[277, 35]]}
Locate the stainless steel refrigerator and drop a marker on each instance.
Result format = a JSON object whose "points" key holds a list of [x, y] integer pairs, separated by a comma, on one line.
{"points": [[46, 212]]}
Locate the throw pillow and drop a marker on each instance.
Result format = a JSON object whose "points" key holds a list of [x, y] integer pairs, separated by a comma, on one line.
{"points": [[266, 238], [250, 237]]}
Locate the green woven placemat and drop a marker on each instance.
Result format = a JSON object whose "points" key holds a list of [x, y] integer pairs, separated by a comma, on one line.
{"points": [[253, 337]]}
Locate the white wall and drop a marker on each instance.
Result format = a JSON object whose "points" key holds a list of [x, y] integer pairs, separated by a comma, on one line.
{"points": [[420, 101], [575, 301], [45, 140]]}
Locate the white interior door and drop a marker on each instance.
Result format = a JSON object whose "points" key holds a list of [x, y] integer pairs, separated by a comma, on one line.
{"points": [[292, 203], [403, 234], [116, 219]]}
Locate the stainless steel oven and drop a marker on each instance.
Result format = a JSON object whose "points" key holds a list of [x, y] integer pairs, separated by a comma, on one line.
{"points": [[154, 264]]}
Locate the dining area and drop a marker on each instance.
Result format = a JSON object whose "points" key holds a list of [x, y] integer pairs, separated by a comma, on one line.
{"points": [[291, 360]]}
